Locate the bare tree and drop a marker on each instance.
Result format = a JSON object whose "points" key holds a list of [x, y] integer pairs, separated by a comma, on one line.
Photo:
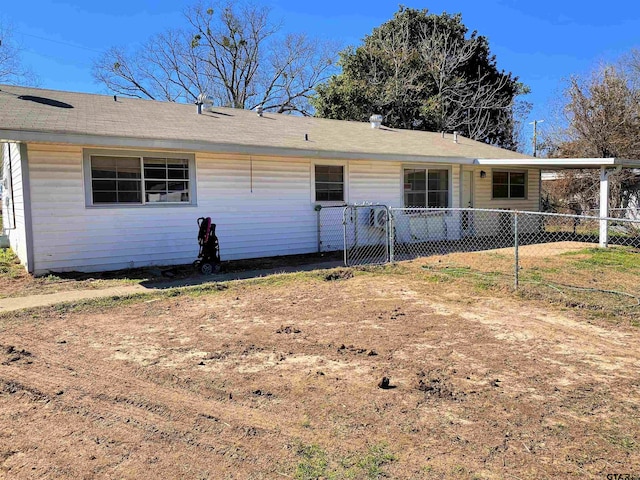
{"points": [[471, 102], [163, 69], [602, 115], [392, 72], [232, 52], [12, 70]]}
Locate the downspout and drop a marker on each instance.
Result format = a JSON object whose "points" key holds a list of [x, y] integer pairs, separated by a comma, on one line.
{"points": [[13, 203], [539, 190], [26, 192]]}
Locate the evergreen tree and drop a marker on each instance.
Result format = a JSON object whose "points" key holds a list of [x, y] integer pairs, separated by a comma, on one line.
{"points": [[424, 71]]}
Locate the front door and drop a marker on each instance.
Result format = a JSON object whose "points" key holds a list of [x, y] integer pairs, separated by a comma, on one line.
{"points": [[467, 202]]}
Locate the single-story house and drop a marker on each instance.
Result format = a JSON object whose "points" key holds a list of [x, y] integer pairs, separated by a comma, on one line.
{"points": [[96, 182]]}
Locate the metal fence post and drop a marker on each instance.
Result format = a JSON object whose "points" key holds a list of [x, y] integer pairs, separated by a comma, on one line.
{"points": [[390, 234], [515, 244], [344, 228], [355, 226], [318, 208]]}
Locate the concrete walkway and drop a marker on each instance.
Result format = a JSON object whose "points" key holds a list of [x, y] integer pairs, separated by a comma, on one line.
{"points": [[32, 301]]}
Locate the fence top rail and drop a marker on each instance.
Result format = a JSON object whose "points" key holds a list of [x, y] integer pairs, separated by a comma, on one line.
{"points": [[415, 210], [449, 209], [519, 212], [319, 206], [582, 217]]}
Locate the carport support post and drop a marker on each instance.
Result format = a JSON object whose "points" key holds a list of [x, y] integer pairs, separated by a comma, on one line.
{"points": [[604, 206]]}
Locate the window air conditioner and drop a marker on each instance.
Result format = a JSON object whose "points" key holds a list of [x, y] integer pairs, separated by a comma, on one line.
{"points": [[378, 217]]}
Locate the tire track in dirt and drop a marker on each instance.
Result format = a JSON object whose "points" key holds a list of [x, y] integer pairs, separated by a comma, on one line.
{"points": [[124, 421], [594, 346], [166, 420]]}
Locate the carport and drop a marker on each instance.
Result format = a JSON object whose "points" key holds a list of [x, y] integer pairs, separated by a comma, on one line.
{"points": [[607, 166]]}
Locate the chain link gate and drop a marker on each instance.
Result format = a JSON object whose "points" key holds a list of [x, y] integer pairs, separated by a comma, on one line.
{"points": [[366, 235]]}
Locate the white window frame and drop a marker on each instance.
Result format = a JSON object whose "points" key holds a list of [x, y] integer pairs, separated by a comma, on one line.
{"points": [[427, 167], [509, 171], [345, 179], [88, 190]]}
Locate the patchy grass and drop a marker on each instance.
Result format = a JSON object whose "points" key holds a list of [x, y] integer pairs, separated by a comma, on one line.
{"points": [[602, 283], [94, 305], [16, 282], [9, 264], [315, 463], [619, 259], [373, 462]]}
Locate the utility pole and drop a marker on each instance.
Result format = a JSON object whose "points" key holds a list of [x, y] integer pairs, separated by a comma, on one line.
{"points": [[535, 136]]}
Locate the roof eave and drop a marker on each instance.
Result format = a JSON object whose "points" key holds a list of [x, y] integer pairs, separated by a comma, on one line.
{"points": [[200, 146], [562, 163]]}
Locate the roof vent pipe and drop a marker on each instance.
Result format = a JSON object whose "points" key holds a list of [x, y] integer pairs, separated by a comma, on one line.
{"points": [[203, 99], [259, 110], [376, 121], [455, 137], [443, 134]]}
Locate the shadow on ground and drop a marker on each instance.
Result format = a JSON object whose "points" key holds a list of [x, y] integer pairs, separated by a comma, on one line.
{"points": [[161, 277]]}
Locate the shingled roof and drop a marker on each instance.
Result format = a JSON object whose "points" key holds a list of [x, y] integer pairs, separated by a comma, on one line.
{"points": [[30, 114]]}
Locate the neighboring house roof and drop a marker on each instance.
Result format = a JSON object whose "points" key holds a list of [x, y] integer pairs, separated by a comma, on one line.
{"points": [[557, 175], [30, 114]]}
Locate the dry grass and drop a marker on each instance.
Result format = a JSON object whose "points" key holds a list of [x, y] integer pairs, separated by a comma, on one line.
{"points": [[16, 282]]}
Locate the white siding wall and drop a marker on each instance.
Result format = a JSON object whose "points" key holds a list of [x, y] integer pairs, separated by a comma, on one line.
{"points": [[70, 236], [12, 198], [262, 214], [375, 182], [262, 206], [484, 189], [491, 224]]}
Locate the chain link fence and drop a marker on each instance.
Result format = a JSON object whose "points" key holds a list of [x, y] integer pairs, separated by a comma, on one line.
{"points": [[514, 240], [506, 234], [330, 228]]}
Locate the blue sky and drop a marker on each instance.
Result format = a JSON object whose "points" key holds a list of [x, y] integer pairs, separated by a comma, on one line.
{"points": [[541, 42]]}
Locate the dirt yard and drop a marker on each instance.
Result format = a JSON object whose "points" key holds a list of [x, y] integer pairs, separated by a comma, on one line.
{"points": [[279, 378]]}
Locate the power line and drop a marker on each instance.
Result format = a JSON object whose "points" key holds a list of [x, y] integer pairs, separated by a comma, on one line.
{"points": [[59, 42]]}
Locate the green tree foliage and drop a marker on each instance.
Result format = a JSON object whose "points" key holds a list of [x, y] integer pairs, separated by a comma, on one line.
{"points": [[424, 71]]}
